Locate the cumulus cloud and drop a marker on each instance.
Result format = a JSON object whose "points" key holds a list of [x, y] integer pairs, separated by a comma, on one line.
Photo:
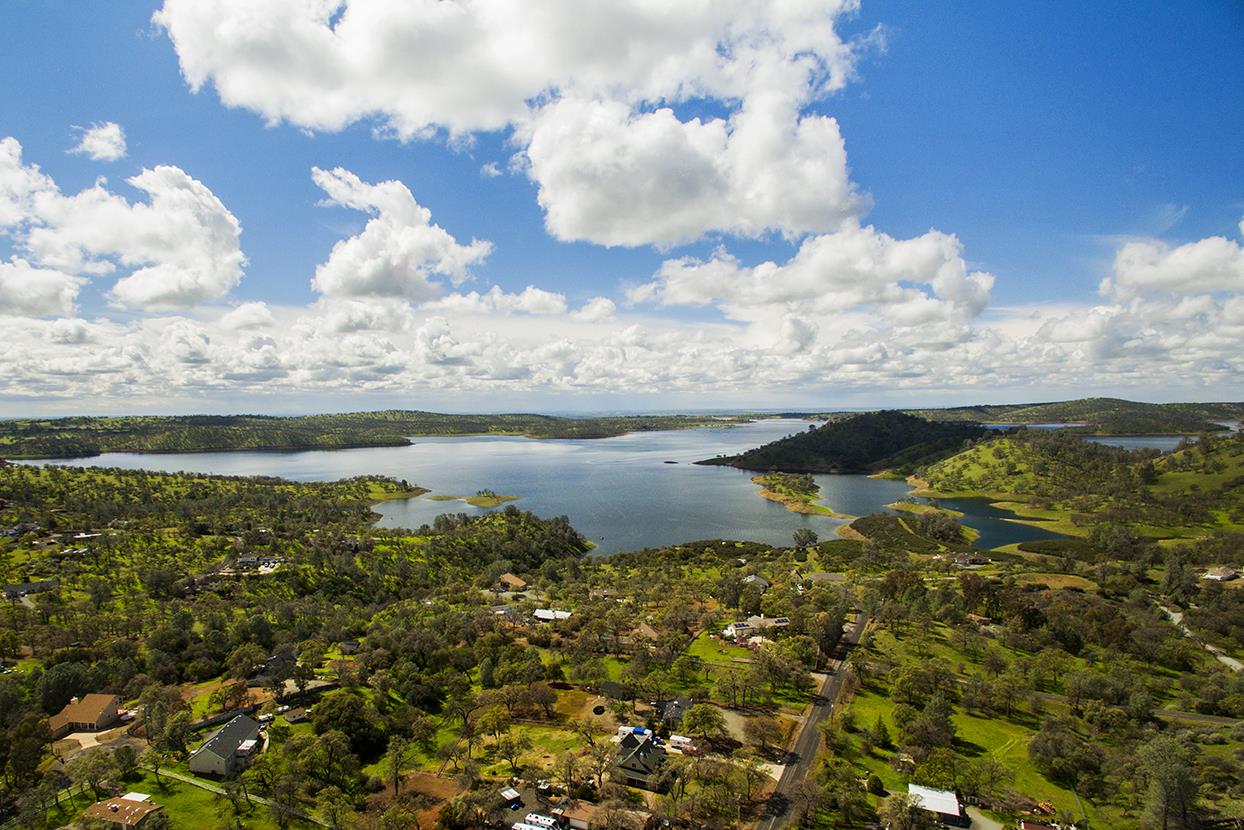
{"points": [[530, 300], [490, 170], [253, 315], [906, 282], [1212, 264], [101, 141], [178, 249], [640, 178], [595, 310], [587, 88], [25, 289], [398, 253]]}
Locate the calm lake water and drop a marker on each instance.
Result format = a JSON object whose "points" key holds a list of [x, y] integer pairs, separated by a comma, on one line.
{"points": [[619, 492]]}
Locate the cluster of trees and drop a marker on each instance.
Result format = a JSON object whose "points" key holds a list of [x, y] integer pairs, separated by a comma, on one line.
{"points": [[862, 443]]}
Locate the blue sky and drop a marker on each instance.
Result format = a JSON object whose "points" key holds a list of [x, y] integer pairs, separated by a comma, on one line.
{"points": [[1001, 161]]}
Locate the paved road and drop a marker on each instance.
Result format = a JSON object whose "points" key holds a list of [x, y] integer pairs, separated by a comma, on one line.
{"points": [[777, 813]]}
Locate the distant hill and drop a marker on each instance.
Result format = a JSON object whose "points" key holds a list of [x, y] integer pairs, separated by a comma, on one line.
{"points": [[869, 442], [87, 436], [1103, 416]]}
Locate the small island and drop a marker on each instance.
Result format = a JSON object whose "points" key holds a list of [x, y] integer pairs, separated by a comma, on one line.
{"points": [[798, 492], [482, 498]]}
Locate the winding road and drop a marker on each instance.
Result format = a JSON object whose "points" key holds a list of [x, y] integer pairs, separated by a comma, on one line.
{"points": [[777, 812]]}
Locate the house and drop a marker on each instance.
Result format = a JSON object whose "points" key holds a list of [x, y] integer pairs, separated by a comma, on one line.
{"points": [[350, 647], [670, 712], [509, 582], [511, 798], [737, 629], [942, 803], [970, 560], [227, 749], [757, 580], [16, 591], [1220, 574], [549, 615], [979, 619], [129, 811], [277, 666], [639, 760], [296, 715], [248, 563], [92, 713], [578, 815]]}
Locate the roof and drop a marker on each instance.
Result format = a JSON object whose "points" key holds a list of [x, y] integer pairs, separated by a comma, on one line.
{"points": [[512, 580], [937, 801], [225, 740], [640, 754], [756, 579], [1221, 572], [550, 614], [122, 811], [673, 709], [511, 794], [90, 709]]}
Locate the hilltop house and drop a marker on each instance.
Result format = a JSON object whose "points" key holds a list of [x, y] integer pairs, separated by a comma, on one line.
{"points": [[227, 749], [639, 760], [125, 813], [549, 615], [92, 713]]}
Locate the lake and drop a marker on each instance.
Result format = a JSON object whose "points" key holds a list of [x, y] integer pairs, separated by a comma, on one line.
{"points": [[619, 492]]}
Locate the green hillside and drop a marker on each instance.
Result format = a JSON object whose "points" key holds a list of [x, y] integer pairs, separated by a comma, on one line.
{"points": [[85, 436], [1105, 416], [861, 443]]}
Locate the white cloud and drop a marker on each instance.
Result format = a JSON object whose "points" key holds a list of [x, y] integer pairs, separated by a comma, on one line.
{"points": [[178, 249], [611, 176], [398, 252], [490, 170], [530, 300], [855, 267], [27, 290], [253, 315], [588, 86], [595, 310], [101, 142], [1212, 264], [470, 66]]}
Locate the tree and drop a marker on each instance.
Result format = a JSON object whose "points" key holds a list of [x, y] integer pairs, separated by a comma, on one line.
{"points": [[763, 731], [542, 695], [93, 767], [1172, 781], [397, 756], [705, 721], [804, 537], [334, 806], [586, 728], [511, 746], [153, 759], [900, 812], [159, 703]]}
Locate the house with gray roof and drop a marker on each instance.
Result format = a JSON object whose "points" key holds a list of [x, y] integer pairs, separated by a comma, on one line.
{"points": [[228, 749]]}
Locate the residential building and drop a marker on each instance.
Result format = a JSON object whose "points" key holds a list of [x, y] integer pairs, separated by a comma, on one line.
{"points": [[942, 803], [639, 761], [227, 749], [510, 582], [1220, 574], [92, 713]]}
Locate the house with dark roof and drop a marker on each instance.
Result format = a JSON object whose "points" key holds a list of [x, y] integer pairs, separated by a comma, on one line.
{"points": [[670, 712], [124, 813], [17, 590], [227, 749], [639, 761], [92, 713], [757, 580]]}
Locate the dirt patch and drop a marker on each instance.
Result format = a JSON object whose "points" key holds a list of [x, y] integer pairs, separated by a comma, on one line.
{"points": [[430, 791]]}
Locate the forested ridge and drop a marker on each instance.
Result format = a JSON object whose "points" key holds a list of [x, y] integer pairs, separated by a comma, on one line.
{"points": [[861, 443], [87, 436]]}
